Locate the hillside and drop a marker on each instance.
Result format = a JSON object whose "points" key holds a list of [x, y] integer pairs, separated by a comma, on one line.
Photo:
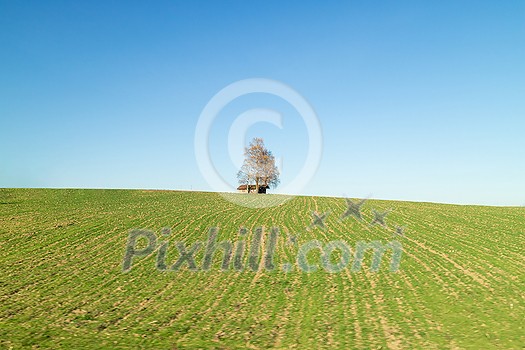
{"points": [[460, 282]]}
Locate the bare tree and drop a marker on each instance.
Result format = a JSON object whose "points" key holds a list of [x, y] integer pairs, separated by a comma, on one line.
{"points": [[259, 166]]}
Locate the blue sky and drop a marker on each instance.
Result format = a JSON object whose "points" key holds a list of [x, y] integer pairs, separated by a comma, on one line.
{"points": [[416, 101]]}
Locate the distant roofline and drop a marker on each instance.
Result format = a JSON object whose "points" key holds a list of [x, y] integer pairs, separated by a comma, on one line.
{"points": [[243, 187]]}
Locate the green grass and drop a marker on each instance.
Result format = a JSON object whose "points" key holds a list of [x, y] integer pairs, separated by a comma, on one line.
{"points": [[460, 284]]}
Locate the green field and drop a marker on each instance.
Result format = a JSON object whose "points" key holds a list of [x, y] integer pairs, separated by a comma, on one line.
{"points": [[460, 283]]}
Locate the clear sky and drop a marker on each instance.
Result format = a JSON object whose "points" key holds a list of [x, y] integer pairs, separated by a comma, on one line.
{"points": [[417, 100]]}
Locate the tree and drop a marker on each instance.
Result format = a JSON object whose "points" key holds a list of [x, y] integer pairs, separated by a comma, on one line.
{"points": [[259, 166]]}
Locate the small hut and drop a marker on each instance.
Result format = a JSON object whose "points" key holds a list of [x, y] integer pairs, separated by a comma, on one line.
{"points": [[251, 188]]}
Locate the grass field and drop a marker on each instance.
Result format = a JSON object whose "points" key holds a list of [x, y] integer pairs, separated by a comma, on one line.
{"points": [[460, 282]]}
